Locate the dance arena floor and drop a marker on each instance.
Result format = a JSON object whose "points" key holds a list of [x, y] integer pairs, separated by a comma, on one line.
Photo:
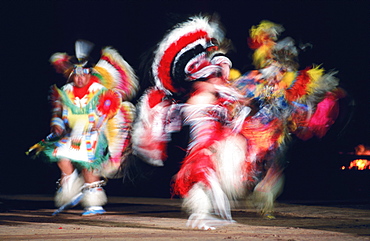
{"points": [[28, 217]]}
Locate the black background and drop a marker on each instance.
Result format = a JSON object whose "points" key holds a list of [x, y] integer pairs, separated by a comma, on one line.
{"points": [[31, 31]]}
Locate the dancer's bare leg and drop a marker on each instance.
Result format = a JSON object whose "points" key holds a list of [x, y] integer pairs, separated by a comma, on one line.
{"points": [[65, 167], [89, 176]]}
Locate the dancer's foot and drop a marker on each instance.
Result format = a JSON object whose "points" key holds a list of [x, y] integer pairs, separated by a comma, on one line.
{"points": [[268, 216], [94, 210], [207, 222]]}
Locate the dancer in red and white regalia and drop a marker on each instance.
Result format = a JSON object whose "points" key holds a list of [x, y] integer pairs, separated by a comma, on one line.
{"points": [[190, 61]]}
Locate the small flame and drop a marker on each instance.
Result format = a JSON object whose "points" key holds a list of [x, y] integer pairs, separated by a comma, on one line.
{"points": [[359, 164]]}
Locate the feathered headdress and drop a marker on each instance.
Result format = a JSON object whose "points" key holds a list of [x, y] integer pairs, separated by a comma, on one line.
{"points": [[67, 65], [82, 49], [112, 70], [186, 52]]}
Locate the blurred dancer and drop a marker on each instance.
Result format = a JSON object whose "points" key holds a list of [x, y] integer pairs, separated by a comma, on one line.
{"points": [[288, 101], [191, 72], [90, 125]]}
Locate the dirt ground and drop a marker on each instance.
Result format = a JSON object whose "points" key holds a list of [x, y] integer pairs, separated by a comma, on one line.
{"points": [[25, 217]]}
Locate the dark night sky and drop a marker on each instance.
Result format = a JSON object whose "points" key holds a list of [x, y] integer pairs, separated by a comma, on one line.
{"points": [[33, 30]]}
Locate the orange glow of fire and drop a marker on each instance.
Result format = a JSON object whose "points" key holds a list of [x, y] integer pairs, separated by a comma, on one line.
{"points": [[359, 164]]}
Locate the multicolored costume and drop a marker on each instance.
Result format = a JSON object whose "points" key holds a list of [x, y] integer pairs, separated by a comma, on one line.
{"points": [[238, 129], [96, 120], [287, 101]]}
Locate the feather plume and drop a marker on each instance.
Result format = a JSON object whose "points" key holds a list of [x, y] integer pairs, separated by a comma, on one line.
{"points": [[83, 49]]}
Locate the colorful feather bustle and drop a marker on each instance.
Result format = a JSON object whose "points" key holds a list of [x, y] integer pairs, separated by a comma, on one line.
{"points": [[118, 134], [298, 96], [115, 73]]}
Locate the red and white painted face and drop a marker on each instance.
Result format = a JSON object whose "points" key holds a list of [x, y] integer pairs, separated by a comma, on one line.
{"points": [[225, 64], [81, 80], [196, 67]]}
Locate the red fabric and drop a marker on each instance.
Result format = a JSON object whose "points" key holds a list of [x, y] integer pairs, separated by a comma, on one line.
{"points": [[198, 163], [155, 97], [195, 168], [324, 117]]}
